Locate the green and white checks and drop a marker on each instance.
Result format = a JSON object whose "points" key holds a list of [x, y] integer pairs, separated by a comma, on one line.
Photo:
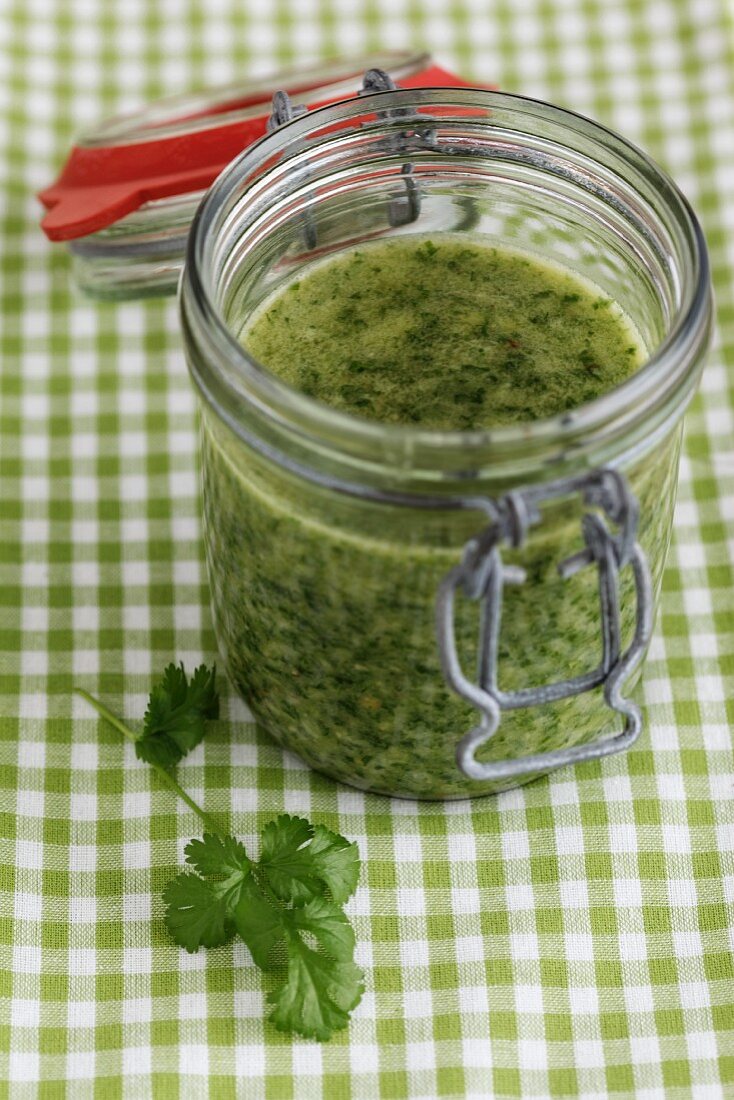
{"points": [[571, 938]]}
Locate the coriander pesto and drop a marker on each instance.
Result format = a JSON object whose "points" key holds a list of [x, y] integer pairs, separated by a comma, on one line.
{"points": [[445, 333], [325, 606]]}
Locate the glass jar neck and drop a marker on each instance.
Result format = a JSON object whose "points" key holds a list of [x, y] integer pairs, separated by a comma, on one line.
{"points": [[548, 179]]}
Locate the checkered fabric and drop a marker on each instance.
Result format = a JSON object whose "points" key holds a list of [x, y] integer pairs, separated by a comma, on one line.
{"points": [[570, 938]]}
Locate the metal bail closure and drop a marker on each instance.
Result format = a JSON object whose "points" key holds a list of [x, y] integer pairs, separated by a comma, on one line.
{"points": [[282, 111], [482, 575], [404, 208]]}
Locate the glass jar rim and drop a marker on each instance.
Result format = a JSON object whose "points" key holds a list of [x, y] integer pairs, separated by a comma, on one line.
{"points": [[669, 372]]}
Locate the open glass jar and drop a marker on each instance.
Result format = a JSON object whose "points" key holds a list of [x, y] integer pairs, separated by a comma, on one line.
{"points": [[332, 539]]}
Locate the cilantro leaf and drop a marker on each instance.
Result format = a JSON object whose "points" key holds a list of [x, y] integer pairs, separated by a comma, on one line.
{"points": [[322, 986], [217, 855], [318, 994], [199, 911], [196, 915], [298, 864], [202, 692], [279, 902], [300, 861], [286, 861], [336, 861], [224, 857], [177, 710], [260, 924], [329, 925]]}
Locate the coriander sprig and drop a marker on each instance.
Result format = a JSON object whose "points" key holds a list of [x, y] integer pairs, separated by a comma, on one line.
{"points": [[138, 741], [286, 906]]}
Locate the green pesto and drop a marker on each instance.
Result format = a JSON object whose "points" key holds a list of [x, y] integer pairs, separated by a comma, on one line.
{"points": [[444, 333], [324, 605]]}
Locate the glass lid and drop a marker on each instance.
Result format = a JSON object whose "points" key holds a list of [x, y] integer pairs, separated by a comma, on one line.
{"points": [[124, 201]]}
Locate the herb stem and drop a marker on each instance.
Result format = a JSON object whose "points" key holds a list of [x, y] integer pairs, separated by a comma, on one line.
{"points": [[167, 779]]}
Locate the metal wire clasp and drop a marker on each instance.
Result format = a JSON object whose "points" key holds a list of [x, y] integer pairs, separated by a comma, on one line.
{"points": [[404, 208], [283, 110], [482, 575]]}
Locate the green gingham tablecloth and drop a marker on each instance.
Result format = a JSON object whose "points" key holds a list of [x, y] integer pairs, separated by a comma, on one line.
{"points": [[570, 938]]}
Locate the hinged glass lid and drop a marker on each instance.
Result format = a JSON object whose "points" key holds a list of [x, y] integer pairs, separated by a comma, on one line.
{"points": [[126, 196]]}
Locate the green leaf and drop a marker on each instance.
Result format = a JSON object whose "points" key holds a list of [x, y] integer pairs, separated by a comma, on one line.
{"points": [[217, 855], [199, 912], [202, 692], [302, 862], [286, 861], [260, 924], [336, 861], [322, 984], [318, 994], [177, 711], [161, 750], [226, 858], [328, 924], [284, 836], [196, 916]]}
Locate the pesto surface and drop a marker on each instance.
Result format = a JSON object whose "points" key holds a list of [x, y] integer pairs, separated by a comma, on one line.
{"points": [[445, 334], [324, 605]]}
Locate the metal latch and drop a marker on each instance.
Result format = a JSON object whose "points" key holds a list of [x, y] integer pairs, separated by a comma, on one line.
{"points": [[482, 576], [404, 208]]}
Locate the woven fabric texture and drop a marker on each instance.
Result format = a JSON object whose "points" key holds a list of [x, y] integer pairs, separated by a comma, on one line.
{"points": [[573, 938]]}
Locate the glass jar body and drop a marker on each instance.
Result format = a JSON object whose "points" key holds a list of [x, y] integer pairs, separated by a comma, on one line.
{"points": [[324, 609], [324, 560]]}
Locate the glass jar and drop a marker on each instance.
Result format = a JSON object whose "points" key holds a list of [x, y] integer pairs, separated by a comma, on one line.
{"points": [[330, 537]]}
